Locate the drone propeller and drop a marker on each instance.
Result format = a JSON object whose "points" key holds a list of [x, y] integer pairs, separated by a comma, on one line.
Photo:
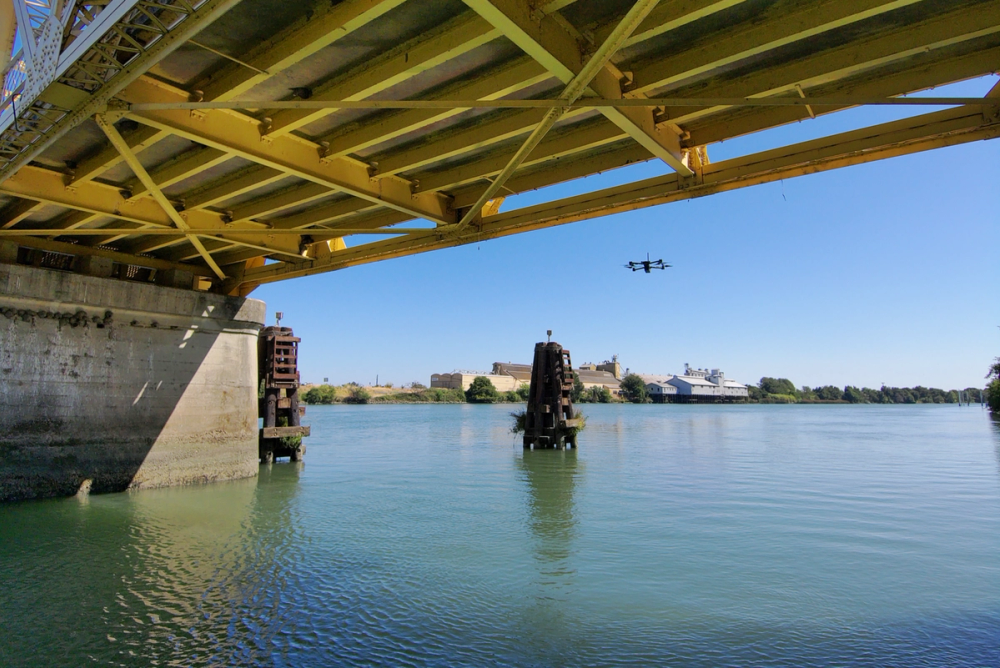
{"points": [[646, 264]]}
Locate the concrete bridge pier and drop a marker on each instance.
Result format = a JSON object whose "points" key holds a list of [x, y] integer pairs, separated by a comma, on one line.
{"points": [[113, 384]]}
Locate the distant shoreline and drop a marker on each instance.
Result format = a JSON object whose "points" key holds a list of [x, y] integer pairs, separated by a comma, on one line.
{"points": [[384, 402]]}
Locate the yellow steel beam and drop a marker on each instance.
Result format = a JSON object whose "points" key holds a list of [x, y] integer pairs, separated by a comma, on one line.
{"points": [[936, 72], [919, 76], [451, 40], [360, 221], [945, 128], [320, 28], [576, 139], [514, 76], [240, 136], [670, 15], [923, 40], [158, 196], [178, 25], [925, 132], [179, 168], [309, 222], [782, 25], [505, 80], [548, 42], [185, 252], [47, 186], [231, 185], [211, 232], [321, 214], [560, 170], [552, 6], [274, 202], [156, 239], [75, 219], [108, 156], [317, 29], [17, 211], [574, 89], [100, 200], [461, 140], [546, 103], [234, 256], [121, 258]]}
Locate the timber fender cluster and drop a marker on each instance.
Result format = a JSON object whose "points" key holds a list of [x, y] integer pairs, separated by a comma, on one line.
{"points": [[278, 362], [108, 385], [550, 421]]}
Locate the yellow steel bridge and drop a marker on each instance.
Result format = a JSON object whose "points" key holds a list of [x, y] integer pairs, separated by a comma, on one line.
{"points": [[245, 140]]}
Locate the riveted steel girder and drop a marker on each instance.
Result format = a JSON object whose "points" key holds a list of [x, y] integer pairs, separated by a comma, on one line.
{"points": [[107, 157], [551, 45], [449, 41], [240, 135], [48, 187], [14, 213], [911, 135], [742, 42], [316, 30]]}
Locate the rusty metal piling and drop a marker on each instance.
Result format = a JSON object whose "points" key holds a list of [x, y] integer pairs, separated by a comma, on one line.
{"points": [[277, 364]]}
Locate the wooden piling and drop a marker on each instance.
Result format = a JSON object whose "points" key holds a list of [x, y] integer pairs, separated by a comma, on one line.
{"points": [[277, 364], [550, 421]]}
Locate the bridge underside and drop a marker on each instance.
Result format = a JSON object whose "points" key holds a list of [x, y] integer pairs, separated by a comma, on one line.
{"points": [[249, 141]]}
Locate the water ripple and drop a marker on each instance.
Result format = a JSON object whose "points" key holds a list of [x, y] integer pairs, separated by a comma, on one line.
{"points": [[418, 536]]}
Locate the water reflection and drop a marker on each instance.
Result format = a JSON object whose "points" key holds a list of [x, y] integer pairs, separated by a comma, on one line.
{"points": [[182, 576], [549, 621], [551, 477], [995, 430]]}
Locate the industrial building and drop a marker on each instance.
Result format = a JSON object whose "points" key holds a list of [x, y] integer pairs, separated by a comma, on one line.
{"points": [[591, 375], [611, 366], [695, 385], [462, 380]]}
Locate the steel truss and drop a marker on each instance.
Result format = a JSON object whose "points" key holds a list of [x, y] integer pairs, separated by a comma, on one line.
{"points": [[560, 110]]}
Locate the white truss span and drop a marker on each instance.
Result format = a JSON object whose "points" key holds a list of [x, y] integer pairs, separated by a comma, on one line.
{"points": [[74, 57]]}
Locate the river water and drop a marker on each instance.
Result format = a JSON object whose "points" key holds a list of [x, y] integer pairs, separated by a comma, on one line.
{"points": [[424, 535]]}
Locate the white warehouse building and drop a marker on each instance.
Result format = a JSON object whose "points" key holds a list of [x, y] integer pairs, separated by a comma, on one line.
{"points": [[695, 385]]}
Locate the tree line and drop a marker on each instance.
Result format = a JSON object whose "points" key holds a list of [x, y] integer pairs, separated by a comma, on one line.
{"points": [[993, 388], [633, 389], [782, 390], [482, 391]]}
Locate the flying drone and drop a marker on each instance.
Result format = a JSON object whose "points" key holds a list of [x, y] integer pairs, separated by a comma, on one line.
{"points": [[646, 265]]}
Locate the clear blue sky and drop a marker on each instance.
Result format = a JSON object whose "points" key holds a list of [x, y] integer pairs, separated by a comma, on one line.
{"points": [[886, 272]]}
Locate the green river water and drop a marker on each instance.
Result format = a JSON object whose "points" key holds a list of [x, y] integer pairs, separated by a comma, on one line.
{"points": [[425, 535]]}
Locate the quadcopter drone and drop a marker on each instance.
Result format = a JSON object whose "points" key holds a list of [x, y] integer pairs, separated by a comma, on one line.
{"points": [[646, 265]]}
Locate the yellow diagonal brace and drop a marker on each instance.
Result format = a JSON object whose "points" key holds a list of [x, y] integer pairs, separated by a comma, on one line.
{"points": [[107, 157], [920, 133], [181, 167], [574, 89], [548, 42], [119, 142], [671, 15], [239, 135], [13, 214]]}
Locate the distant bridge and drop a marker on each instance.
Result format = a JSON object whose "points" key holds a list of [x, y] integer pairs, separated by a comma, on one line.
{"points": [[205, 136]]}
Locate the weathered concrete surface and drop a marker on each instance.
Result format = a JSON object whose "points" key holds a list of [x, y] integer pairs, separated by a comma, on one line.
{"points": [[125, 384]]}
